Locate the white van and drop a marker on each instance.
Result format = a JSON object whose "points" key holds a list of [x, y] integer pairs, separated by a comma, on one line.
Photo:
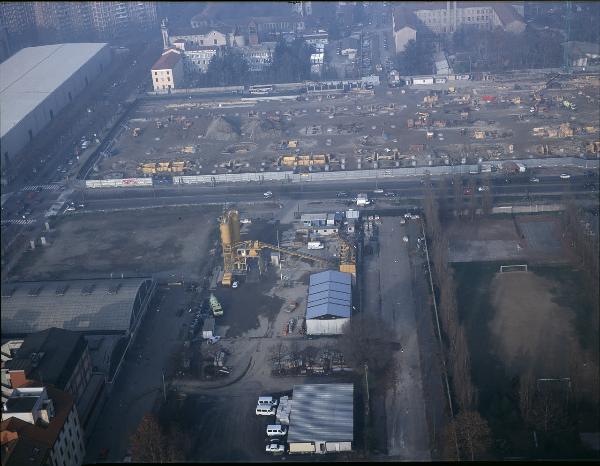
{"points": [[265, 410], [266, 401], [276, 430]]}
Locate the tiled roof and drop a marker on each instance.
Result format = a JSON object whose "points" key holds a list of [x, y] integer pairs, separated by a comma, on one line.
{"points": [[403, 17], [63, 404], [61, 350], [20, 450], [506, 13], [167, 61]]}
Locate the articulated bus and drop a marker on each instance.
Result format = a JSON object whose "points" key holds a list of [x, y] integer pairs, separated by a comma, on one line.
{"points": [[261, 89]]}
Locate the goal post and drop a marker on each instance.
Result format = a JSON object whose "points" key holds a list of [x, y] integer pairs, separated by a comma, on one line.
{"points": [[513, 268]]}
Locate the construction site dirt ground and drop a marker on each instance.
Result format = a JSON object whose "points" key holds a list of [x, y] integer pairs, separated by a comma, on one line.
{"points": [[209, 133], [168, 243]]}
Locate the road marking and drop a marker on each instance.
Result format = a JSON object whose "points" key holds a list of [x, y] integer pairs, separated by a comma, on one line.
{"points": [[46, 187], [19, 221]]}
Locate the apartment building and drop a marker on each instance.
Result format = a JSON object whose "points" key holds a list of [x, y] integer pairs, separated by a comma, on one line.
{"points": [[447, 17], [167, 73], [196, 57], [16, 17], [112, 18], [17, 27], [259, 57], [406, 27], [42, 422]]}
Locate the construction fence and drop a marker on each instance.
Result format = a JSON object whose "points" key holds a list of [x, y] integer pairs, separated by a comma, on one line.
{"points": [[291, 177]]}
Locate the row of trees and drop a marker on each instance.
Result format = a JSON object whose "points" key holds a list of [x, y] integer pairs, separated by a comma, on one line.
{"points": [[498, 50], [468, 434], [291, 63], [417, 57], [585, 247], [151, 443]]}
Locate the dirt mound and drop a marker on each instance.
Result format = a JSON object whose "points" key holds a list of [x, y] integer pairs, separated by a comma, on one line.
{"points": [[262, 129], [222, 130]]}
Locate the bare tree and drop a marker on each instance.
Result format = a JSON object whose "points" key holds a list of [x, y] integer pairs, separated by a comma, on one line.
{"points": [[310, 354], [473, 433], [295, 354], [277, 353], [148, 444], [526, 394], [472, 200], [368, 340], [486, 198], [457, 187]]}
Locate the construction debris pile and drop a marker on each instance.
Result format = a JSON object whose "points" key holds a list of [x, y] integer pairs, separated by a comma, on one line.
{"points": [[151, 168], [222, 130], [312, 361]]}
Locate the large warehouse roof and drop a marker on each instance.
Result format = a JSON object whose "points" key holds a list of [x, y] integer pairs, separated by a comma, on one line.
{"points": [[329, 295], [79, 305], [33, 73], [322, 412]]}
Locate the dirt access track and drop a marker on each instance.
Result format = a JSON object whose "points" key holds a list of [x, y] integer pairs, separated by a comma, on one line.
{"points": [[168, 243]]}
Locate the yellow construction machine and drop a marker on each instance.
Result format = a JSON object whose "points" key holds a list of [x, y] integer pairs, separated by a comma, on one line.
{"points": [[236, 252]]}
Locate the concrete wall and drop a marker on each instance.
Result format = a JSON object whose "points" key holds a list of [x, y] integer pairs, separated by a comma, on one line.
{"points": [[18, 137]]}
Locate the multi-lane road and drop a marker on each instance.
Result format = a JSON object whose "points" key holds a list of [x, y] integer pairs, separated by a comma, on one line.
{"points": [[519, 189]]}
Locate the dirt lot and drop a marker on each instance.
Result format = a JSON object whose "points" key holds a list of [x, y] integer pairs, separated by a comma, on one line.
{"points": [[539, 320], [166, 242], [528, 238], [231, 135], [528, 325]]}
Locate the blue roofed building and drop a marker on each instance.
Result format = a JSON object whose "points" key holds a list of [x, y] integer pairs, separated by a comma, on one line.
{"points": [[329, 302]]}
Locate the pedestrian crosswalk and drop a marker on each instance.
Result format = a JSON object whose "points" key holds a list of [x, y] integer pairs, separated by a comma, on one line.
{"points": [[46, 187], [18, 221]]}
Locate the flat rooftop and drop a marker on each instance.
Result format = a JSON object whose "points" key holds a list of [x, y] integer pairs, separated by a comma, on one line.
{"points": [[322, 412], [32, 74]]}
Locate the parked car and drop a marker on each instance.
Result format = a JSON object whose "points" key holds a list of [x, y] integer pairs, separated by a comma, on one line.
{"points": [[565, 176], [483, 188], [268, 195], [275, 448], [534, 180]]}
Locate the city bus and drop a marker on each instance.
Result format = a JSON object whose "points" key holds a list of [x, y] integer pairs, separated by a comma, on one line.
{"points": [[261, 89]]}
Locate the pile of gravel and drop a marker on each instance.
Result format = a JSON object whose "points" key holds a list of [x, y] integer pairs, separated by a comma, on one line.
{"points": [[222, 130], [261, 129]]}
